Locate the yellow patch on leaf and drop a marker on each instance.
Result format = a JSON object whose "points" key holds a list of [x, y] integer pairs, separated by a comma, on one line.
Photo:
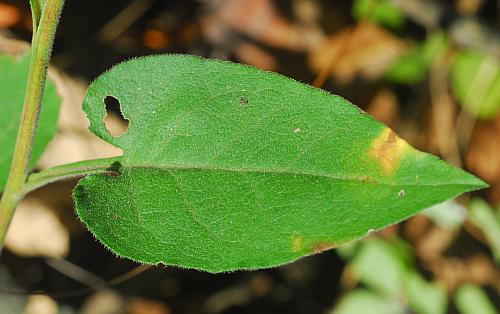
{"points": [[297, 242], [387, 149]]}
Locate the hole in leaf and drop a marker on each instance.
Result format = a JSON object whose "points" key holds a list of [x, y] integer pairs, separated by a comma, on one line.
{"points": [[114, 120]]}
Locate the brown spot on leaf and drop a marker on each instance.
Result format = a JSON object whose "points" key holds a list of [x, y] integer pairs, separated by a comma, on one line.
{"points": [[297, 242], [243, 101], [322, 246], [387, 150]]}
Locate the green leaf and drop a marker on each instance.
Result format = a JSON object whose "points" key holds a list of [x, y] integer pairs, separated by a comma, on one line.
{"points": [[476, 83], [449, 215], [364, 301], [228, 167], [471, 299], [413, 66], [13, 77], [383, 267], [387, 269], [425, 297], [378, 11], [484, 217]]}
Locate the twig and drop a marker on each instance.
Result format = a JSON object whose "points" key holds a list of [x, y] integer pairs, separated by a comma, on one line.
{"points": [[124, 19], [344, 47], [443, 111]]}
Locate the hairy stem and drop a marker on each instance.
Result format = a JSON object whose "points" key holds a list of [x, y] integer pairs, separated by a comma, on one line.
{"points": [[72, 170], [41, 51]]}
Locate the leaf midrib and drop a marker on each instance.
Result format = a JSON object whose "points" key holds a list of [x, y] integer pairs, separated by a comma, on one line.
{"points": [[211, 168]]}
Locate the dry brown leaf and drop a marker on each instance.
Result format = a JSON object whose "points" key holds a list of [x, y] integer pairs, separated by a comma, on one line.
{"points": [[416, 227], [259, 20], [494, 194], [37, 231], [432, 245], [389, 232], [253, 55], [218, 33], [475, 269], [307, 11], [442, 137], [368, 50], [483, 155], [385, 107]]}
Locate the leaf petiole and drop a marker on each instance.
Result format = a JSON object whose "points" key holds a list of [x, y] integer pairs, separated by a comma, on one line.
{"points": [[71, 170], [36, 13]]}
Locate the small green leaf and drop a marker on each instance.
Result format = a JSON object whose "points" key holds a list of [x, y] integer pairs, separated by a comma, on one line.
{"points": [[364, 301], [228, 167], [378, 11], [387, 269], [449, 215], [413, 66], [383, 267], [476, 83], [13, 77], [484, 217], [425, 297], [471, 299]]}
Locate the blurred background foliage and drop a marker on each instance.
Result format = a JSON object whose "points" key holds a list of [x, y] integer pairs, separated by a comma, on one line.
{"points": [[428, 69]]}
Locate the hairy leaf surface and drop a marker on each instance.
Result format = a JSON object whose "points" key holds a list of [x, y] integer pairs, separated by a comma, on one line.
{"points": [[228, 167], [13, 79]]}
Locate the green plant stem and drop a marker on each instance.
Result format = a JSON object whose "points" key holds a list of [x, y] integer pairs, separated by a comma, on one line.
{"points": [[69, 171], [41, 51]]}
